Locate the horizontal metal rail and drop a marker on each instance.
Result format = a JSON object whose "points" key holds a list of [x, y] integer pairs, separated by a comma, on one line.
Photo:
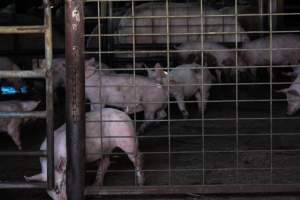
{"points": [[197, 170], [21, 29], [23, 74], [21, 185], [202, 189], [23, 153], [35, 114]]}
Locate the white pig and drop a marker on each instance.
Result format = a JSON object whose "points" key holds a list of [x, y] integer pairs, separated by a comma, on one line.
{"points": [[12, 125], [8, 64], [282, 56], [178, 25], [114, 130], [293, 96], [185, 81], [126, 91], [222, 55]]}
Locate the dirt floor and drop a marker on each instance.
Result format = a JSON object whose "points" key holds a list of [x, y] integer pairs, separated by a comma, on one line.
{"points": [[235, 151]]}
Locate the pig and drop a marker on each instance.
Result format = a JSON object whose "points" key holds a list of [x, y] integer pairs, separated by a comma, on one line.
{"points": [[177, 25], [12, 125], [216, 55], [185, 81], [105, 131], [132, 93], [279, 57], [293, 96], [9, 65]]}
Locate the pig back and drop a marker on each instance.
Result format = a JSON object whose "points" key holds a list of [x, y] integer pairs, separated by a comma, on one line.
{"points": [[279, 54], [106, 130]]}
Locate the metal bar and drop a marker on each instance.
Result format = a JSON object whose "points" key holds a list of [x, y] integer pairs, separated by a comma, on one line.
{"points": [[23, 74], [49, 93], [35, 114], [75, 97], [22, 185], [201, 189], [23, 153], [21, 29]]}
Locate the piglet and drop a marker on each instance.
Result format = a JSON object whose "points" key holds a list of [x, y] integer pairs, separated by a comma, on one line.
{"points": [[184, 82], [214, 55], [9, 65], [105, 131], [126, 91], [12, 125]]}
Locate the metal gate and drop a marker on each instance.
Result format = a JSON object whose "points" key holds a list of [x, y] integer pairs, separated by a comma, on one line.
{"points": [[47, 114], [243, 142]]}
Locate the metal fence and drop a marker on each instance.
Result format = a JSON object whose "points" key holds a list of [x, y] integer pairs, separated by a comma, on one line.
{"points": [[243, 142], [47, 114]]}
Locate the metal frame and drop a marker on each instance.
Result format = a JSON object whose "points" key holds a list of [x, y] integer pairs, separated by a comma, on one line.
{"points": [[166, 49], [45, 29], [75, 107]]}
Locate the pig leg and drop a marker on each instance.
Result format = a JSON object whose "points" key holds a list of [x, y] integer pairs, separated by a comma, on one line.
{"points": [[37, 177], [136, 159], [201, 106], [14, 132], [181, 105], [149, 115], [103, 166]]}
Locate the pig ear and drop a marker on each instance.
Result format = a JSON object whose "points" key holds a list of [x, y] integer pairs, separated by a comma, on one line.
{"points": [[61, 165], [285, 90]]}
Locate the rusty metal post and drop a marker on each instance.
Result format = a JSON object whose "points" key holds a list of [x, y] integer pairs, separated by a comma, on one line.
{"points": [[75, 112], [49, 97]]}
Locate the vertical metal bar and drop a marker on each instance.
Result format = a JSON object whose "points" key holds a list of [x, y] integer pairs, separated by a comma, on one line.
{"points": [[134, 68], [109, 40], [202, 71], [236, 91], [75, 96], [261, 12], [271, 87], [277, 7], [49, 96], [168, 69]]}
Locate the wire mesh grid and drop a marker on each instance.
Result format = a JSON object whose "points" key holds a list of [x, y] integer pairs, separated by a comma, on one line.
{"points": [[224, 118]]}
